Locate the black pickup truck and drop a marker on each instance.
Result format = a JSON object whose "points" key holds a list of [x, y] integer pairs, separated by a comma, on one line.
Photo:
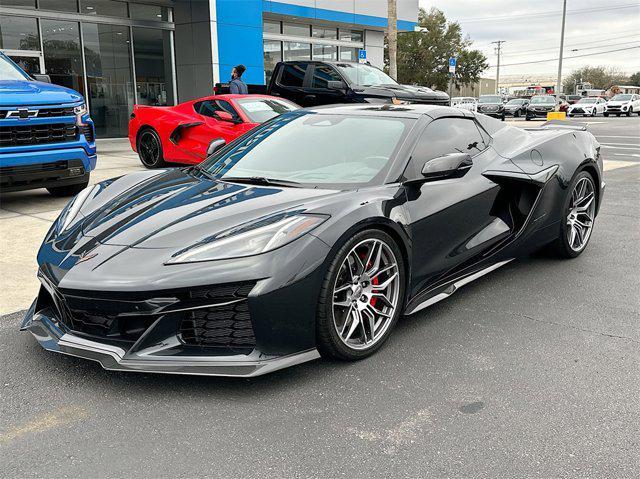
{"points": [[312, 83]]}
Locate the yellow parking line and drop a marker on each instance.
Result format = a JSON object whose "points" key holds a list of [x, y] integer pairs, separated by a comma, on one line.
{"points": [[44, 422], [614, 164]]}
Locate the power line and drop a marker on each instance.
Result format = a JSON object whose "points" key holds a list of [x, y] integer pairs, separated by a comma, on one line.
{"points": [[568, 58], [573, 37], [548, 14], [579, 44], [536, 52]]}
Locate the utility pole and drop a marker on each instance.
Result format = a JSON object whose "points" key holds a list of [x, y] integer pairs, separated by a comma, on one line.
{"points": [[498, 49], [564, 17], [392, 38]]}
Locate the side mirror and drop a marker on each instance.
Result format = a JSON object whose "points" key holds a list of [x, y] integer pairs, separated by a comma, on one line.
{"points": [[336, 85], [215, 145], [226, 116], [41, 77], [454, 164]]}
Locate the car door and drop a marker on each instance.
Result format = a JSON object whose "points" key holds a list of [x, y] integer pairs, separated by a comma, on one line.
{"points": [[452, 220], [319, 92], [290, 82], [194, 140]]}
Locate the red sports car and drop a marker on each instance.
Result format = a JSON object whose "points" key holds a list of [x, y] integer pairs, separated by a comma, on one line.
{"points": [[190, 131]]}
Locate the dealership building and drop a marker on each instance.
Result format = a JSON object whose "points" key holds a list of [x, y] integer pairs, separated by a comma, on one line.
{"points": [[120, 53]]}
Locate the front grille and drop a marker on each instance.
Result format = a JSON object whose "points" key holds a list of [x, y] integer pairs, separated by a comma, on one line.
{"points": [[37, 134], [226, 325], [41, 113]]}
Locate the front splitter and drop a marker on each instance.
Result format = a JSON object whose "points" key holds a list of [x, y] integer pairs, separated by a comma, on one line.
{"points": [[47, 332]]}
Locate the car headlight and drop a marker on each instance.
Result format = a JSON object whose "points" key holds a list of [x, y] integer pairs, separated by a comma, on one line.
{"points": [[80, 111], [252, 238]]}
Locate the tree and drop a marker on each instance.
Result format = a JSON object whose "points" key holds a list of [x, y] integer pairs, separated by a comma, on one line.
{"points": [[600, 77], [635, 79], [423, 56], [392, 38]]}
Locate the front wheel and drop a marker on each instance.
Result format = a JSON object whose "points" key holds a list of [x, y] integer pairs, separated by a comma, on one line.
{"points": [[69, 190], [594, 112], [579, 211], [150, 149], [361, 297], [629, 111], [606, 114]]}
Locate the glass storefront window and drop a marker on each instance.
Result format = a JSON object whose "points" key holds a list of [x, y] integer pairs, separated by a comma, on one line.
{"points": [[296, 51], [139, 11], [62, 55], [18, 3], [109, 77], [325, 52], [19, 33], [152, 55], [59, 5], [348, 54], [296, 29], [272, 55], [271, 26], [351, 35], [322, 32], [109, 8]]}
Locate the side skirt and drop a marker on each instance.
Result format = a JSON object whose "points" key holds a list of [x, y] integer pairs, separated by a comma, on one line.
{"points": [[453, 287]]}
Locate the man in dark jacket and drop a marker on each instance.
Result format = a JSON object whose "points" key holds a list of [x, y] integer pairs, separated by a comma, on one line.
{"points": [[236, 85]]}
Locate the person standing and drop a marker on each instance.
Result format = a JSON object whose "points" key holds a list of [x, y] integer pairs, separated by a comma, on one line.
{"points": [[236, 85]]}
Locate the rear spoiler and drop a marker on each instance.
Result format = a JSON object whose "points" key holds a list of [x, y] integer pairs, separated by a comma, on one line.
{"points": [[562, 125]]}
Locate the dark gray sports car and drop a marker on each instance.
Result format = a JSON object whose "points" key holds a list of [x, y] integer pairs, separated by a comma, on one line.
{"points": [[310, 235]]}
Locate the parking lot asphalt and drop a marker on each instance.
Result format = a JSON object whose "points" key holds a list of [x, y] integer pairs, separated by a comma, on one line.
{"points": [[531, 371]]}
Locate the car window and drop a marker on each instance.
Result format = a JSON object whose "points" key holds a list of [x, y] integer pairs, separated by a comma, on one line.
{"points": [[259, 110], [322, 75], [292, 75], [211, 107], [448, 135]]}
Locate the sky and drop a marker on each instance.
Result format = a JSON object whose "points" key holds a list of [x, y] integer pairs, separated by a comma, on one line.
{"points": [[532, 33]]}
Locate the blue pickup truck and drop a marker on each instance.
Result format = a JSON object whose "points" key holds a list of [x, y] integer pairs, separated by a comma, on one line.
{"points": [[47, 139]]}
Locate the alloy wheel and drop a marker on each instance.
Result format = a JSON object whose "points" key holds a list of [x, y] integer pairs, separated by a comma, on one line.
{"points": [[582, 209], [366, 294], [149, 149]]}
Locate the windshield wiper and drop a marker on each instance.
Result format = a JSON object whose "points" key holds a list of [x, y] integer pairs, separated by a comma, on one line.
{"points": [[259, 180], [200, 170]]}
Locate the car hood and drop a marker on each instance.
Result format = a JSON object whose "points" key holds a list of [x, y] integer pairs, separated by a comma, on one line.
{"points": [[581, 105], [175, 208], [31, 93], [618, 102], [403, 92]]}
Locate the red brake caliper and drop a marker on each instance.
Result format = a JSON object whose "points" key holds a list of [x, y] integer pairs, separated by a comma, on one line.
{"points": [[372, 301]]}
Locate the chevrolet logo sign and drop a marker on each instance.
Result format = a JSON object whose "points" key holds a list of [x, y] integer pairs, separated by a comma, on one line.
{"points": [[22, 113]]}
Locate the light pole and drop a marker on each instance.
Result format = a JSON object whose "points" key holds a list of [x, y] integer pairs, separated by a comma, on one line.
{"points": [[564, 17], [498, 49]]}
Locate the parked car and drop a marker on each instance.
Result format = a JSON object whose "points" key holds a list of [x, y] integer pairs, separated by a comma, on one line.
{"points": [[465, 103], [623, 104], [47, 139], [313, 83], [587, 106], [190, 131], [571, 99], [491, 105], [540, 105], [516, 107], [309, 236]]}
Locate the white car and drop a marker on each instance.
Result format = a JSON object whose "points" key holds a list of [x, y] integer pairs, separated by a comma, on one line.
{"points": [[464, 103], [623, 104], [587, 106]]}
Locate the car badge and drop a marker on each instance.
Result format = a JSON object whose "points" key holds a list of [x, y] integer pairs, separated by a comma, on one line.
{"points": [[22, 113], [86, 256]]}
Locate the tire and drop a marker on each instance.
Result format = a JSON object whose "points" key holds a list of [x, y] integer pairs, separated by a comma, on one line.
{"points": [[528, 118], [346, 338], [517, 114], [594, 112], [149, 148], [630, 111], [606, 114], [618, 115], [566, 245], [69, 190], [503, 117]]}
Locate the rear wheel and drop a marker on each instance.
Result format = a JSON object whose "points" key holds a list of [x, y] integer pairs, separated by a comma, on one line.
{"points": [[361, 297], [69, 190], [630, 111], [150, 149], [579, 211]]}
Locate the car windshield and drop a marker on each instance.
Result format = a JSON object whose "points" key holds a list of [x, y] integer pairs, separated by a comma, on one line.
{"points": [[259, 110], [8, 71], [313, 149], [516, 102], [490, 99], [365, 75], [620, 97], [587, 100], [548, 100]]}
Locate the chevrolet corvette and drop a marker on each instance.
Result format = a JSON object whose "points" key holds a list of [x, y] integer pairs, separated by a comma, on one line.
{"points": [[187, 133], [309, 236]]}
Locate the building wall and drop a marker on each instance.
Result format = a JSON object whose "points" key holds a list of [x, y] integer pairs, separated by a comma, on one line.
{"points": [[484, 86]]}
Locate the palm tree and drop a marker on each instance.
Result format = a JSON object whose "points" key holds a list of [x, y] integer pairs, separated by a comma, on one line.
{"points": [[392, 38]]}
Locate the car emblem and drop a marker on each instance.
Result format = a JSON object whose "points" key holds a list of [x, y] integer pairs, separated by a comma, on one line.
{"points": [[86, 256], [22, 113]]}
